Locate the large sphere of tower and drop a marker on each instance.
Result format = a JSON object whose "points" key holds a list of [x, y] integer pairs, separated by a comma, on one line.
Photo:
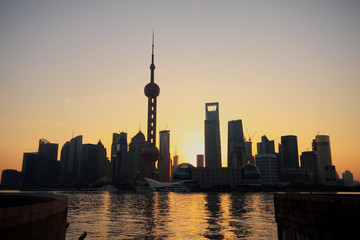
{"points": [[150, 153], [152, 90]]}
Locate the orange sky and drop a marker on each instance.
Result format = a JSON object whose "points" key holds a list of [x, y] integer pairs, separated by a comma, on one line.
{"points": [[282, 67]]}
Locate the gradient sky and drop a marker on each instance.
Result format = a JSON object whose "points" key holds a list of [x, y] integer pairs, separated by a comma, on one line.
{"points": [[283, 67]]}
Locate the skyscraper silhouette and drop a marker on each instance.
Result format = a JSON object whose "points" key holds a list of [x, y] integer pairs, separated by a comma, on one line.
{"points": [[321, 145], [289, 148], [150, 153], [164, 165], [114, 149], [135, 147], [265, 146], [212, 136], [236, 147], [70, 160], [48, 166]]}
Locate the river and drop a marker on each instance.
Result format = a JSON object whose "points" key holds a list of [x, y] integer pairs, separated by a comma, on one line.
{"points": [[170, 215]]}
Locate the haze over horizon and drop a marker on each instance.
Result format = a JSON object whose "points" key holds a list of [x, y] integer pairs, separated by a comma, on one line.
{"points": [[283, 67]]}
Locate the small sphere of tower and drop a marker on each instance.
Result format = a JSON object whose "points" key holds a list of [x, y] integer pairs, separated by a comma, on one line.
{"points": [[152, 90], [150, 153]]}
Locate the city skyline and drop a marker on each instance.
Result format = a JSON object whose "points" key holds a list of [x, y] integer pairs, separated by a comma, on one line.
{"points": [[282, 68]]}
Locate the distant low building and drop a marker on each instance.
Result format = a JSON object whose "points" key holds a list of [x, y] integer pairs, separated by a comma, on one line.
{"points": [[200, 160], [269, 168], [292, 176], [11, 178], [348, 178], [331, 176], [217, 177]]}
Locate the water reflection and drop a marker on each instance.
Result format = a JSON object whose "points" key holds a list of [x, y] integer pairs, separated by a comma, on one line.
{"points": [[129, 215], [213, 207]]}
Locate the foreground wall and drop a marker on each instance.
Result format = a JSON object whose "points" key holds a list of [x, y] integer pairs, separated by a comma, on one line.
{"points": [[33, 216], [317, 216]]}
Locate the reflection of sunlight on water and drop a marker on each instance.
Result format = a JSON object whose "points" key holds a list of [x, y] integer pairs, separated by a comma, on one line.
{"points": [[130, 215], [104, 221]]}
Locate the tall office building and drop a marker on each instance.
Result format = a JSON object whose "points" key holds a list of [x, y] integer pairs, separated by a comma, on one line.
{"points": [[47, 165], [93, 163], [309, 164], [200, 160], [164, 165], [114, 149], [267, 161], [150, 153], [29, 169], [121, 160], [236, 146], [321, 145], [249, 158], [175, 163], [136, 145], [123, 157], [212, 136], [289, 152], [265, 146], [70, 160]]}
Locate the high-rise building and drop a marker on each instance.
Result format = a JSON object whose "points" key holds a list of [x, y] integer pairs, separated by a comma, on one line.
{"points": [[289, 152], [121, 162], [236, 146], [265, 146], [125, 161], [175, 163], [150, 153], [114, 149], [29, 169], [200, 160], [136, 145], [249, 158], [321, 145], [93, 163], [212, 136], [164, 165], [309, 165], [348, 178], [70, 160], [47, 164]]}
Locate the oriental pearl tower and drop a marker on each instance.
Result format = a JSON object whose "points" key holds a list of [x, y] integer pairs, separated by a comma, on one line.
{"points": [[150, 152]]}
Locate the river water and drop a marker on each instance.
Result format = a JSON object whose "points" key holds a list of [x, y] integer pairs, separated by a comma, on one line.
{"points": [[170, 215]]}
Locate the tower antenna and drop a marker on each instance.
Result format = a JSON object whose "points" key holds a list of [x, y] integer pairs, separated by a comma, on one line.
{"points": [[153, 43], [152, 66]]}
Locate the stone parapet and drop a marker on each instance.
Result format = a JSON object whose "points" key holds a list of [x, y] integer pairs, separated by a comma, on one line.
{"points": [[317, 216], [32, 216]]}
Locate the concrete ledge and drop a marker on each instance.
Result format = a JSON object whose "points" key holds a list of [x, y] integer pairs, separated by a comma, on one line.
{"points": [[317, 216], [32, 216]]}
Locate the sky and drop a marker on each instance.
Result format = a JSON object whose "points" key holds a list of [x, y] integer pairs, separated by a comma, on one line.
{"points": [[71, 68]]}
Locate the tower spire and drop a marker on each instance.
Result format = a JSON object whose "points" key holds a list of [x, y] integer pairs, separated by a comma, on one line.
{"points": [[152, 66]]}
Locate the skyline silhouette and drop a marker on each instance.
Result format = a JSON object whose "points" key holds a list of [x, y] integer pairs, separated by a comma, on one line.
{"points": [[283, 68]]}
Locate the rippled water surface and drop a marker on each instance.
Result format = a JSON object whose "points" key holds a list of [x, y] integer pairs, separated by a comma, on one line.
{"points": [[129, 215]]}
